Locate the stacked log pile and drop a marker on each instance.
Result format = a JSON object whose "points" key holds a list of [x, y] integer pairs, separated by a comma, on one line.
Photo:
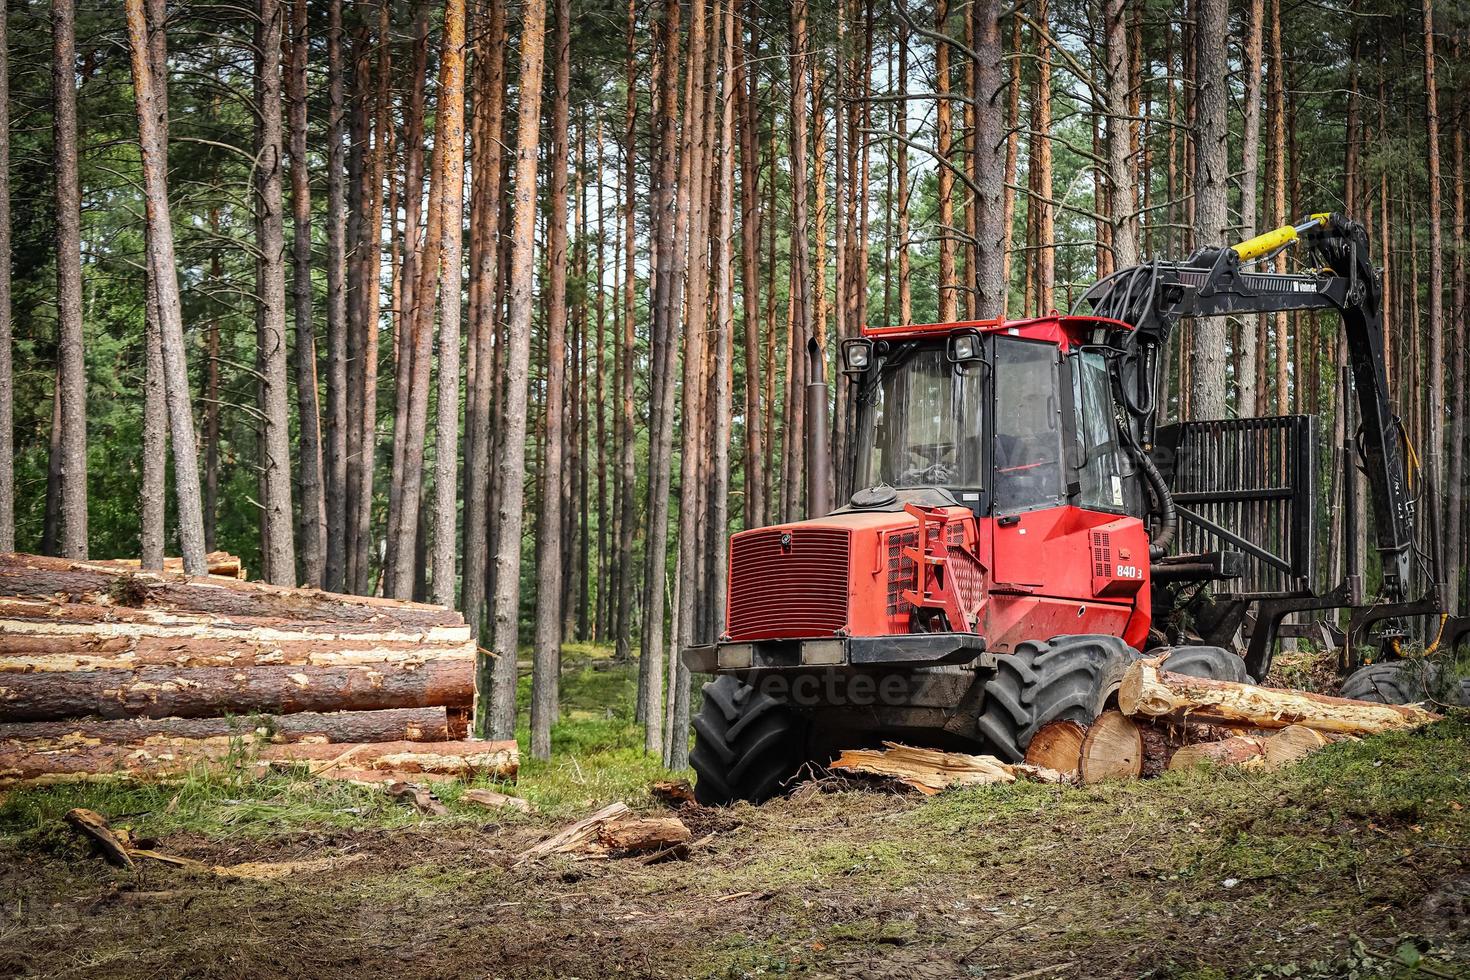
{"points": [[107, 670]]}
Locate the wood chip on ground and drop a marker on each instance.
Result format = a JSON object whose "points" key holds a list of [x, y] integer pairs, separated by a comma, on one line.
{"points": [[931, 771]]}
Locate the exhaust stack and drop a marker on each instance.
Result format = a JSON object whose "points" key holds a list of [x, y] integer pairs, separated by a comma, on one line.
{"points": [[818, 451]]}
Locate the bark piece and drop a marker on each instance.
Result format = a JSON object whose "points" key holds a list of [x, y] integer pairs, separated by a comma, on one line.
{"points": [[417, 796], [496, 801], [158, 692], [577, 836], [1112, 749], [1057, 746], [387, 725], [1147, 690], [931, 771], [672, 792], [93, 826], [634, 835], [164, 858], [1237, 750]]}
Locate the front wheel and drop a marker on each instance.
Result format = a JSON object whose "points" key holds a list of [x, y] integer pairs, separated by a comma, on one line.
{"points": [[746, 744], [1066, 677]]}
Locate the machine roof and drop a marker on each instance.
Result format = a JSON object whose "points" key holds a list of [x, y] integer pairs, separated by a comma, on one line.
{"points": [[1056, 328]]}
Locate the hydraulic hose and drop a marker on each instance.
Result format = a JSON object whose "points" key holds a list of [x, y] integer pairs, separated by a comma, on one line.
{"points": [[1158, 547]]}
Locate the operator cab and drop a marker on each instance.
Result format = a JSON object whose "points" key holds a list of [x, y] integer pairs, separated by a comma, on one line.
{"points": [[1004, 417]]}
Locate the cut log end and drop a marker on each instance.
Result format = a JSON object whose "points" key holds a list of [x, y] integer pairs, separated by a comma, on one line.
{"points": [[1111, 749], [1057, 746]]}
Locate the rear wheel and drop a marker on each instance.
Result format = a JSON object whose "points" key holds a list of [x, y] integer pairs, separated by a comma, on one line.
{"points": [[1066, 677], [1394, 682], [1213, 663], [746, 744]]}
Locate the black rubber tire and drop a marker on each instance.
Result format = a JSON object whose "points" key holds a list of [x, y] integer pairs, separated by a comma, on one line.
{"points": [[1066, 677], [1391, 682], [746, 744], [1212, 663]]}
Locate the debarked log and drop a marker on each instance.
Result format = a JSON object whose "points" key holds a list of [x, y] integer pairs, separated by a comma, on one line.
{"points": [[61, 579], [168, 758], [58, 646], [220, 563], [162, 692], [432, 724], [466, 758], [1147, 690]]}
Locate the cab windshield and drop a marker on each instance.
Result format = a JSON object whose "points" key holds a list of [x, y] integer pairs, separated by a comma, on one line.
{"points": [[923, 421]]}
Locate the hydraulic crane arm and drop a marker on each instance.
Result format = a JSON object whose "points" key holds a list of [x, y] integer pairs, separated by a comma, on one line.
{"points": [[1153, 297]]}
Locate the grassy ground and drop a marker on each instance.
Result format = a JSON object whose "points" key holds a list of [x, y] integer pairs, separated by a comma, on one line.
{"points": [[1352, 863]]}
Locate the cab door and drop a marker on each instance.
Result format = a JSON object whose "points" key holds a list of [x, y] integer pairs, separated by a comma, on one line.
{"points": [[1028, 459]]}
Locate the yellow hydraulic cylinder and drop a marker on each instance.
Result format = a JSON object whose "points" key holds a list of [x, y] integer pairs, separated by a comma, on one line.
{"points": [[1268, 242]]}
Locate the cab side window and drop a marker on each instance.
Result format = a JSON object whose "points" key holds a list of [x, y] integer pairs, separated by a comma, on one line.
{"points": [[1028, 438], [1098, 451]]}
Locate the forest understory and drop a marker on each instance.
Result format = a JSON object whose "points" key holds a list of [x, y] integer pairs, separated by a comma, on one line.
{"points": [[1352, 862]]}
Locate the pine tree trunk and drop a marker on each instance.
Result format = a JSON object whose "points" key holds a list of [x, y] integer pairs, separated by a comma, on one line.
{"points": [[7, 378], [164, 278], [152, 502], [1434, 384], [490, 65], [495, 710], [446, 430], [211, 397], [1211, 214], [1013, 149], [802, 326], [627, 475], [723, 356], [943, 142], [313, 502], [1122, 185], [1041, 203], [336, 451], [1249, 400], [693, 416], [665, 318], [600, 343], [901, 181], [278, 554], [70, 418], [748, 121], [1276, 126], [546, 649], [1455, 524], [989, 148]]}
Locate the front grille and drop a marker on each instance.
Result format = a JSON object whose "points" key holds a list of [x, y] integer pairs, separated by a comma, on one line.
{"points": [[791, 590], [900, 568]]}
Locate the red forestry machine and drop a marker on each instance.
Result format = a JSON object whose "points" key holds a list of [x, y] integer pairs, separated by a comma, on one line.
{"points": [[1023, 528]]}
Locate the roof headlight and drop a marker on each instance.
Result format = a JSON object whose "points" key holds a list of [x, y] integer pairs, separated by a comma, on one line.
{"points": [[857, 355], [964, 347]]}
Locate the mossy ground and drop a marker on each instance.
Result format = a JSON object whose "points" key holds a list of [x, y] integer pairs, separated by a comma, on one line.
{"points": [[1352, 863]]}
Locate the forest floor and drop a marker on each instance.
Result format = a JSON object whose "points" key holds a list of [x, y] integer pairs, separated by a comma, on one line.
{"points": [[1355, 862]]}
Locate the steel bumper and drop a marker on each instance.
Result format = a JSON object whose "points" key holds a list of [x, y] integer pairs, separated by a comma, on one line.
{"points": [[907, 650]]}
